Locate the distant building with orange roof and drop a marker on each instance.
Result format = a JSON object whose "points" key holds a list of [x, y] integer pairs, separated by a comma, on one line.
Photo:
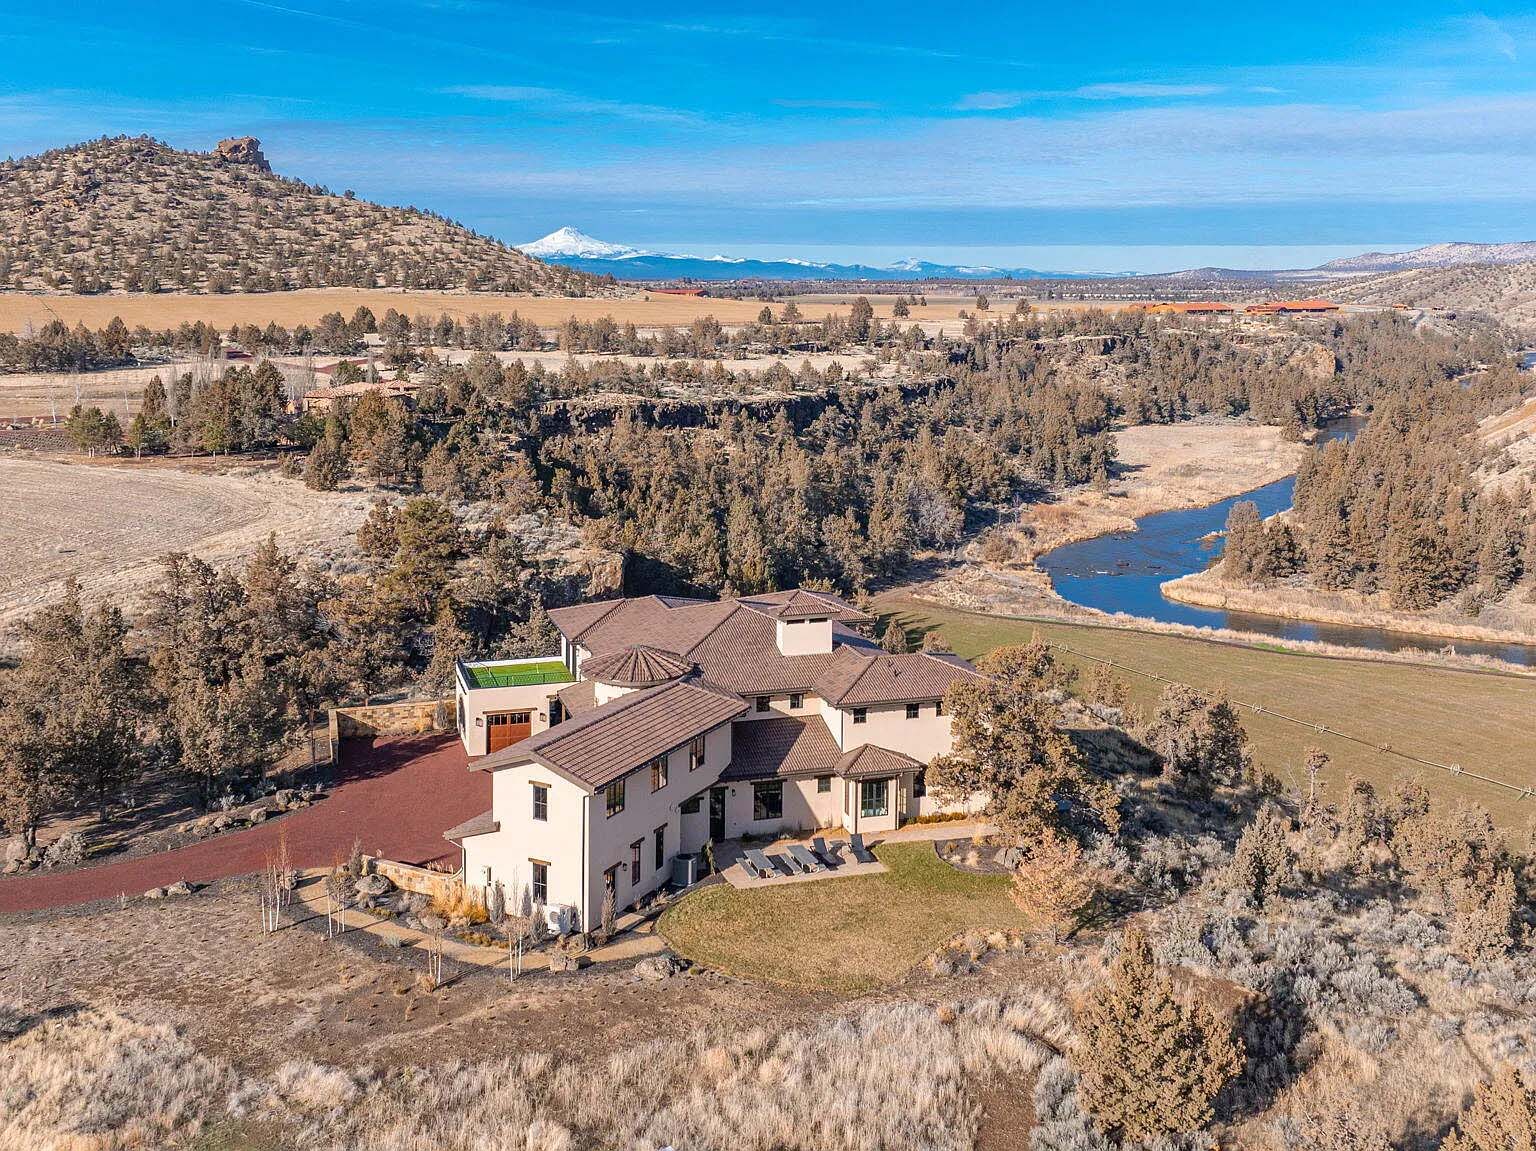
{"points": [[1283, 307]]}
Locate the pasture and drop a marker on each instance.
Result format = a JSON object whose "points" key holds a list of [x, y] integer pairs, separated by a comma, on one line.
{"points": [[1477, 719]]}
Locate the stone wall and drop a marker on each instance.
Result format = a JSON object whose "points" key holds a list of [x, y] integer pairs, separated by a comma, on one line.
{"points": [[412, 717]]}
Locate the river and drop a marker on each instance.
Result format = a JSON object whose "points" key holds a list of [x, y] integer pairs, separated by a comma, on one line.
{"points": [[1124, 571]]}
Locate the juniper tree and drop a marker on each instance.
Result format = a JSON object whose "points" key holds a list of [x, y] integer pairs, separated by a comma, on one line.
{"points": [[1500, 1117], [1263, 864], [1007, 744], [1151, 1063]]}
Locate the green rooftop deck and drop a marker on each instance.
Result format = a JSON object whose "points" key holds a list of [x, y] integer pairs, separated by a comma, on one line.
{"points": [[515, 674]]}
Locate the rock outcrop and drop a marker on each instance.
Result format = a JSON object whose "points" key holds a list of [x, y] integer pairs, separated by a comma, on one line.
{"points": [[241, 150]]}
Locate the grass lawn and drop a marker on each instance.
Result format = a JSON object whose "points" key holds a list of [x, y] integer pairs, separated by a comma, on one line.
{"points": [[844, 935], [1485, 722]]}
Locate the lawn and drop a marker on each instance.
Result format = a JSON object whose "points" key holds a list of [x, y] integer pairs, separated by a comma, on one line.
{"points": [[845, 935], [1485, 722]]}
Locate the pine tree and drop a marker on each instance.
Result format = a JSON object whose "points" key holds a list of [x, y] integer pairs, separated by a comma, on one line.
{"points": [[1150, 1064]]}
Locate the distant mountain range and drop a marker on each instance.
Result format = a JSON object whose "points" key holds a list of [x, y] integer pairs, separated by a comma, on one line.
{"points": [[571, 248], [1435, 256]]}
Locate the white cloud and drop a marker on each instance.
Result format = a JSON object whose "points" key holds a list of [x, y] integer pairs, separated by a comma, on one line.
{"points": [[1139, 90], [560, 101]]}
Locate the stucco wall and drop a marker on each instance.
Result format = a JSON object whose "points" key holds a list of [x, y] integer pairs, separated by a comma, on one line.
{"points": [[557, 841], [778, 705], [921, 738], [533, 698]]}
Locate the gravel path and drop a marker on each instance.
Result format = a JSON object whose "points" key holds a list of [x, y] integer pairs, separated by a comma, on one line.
{"points": [[398, 796]]}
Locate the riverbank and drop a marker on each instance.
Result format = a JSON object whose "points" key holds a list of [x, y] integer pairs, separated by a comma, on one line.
{"points": [[1161, 467], [1516, 620]]}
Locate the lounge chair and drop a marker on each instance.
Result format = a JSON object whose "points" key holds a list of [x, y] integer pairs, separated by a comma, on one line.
{"points": [[828, 855], [806, 862], [856, 845], [758, 864]]}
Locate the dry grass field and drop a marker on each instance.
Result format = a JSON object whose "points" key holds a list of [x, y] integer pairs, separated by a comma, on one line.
{"points": [[644, 310], [1479, 720], [108, 524]]}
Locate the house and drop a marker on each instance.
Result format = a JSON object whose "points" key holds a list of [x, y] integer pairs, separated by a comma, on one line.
{"points": [[666, 723], [1288, 307]]}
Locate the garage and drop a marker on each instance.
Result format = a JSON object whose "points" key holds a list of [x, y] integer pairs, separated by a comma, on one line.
{"points": [[504, 728]]}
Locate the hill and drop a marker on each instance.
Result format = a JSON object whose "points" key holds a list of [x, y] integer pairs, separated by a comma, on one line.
{"points": [[1504, 292], [1448, 255], [133, 214]]}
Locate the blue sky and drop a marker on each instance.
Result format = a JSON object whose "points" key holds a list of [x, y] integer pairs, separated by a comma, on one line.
{"points": [[1109, 135]]}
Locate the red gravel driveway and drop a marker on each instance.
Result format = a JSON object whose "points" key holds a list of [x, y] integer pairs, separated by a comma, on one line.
{"points": [[397, 795]]}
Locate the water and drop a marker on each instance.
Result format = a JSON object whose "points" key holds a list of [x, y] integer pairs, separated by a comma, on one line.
{"points": [[1124, 571]]}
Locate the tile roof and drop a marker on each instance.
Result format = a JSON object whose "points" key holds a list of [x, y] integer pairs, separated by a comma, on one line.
{"points": [[638, 666], [871, 762], [782, 747], [608, 742], [579, 698], [788, 747], [855, 680], [797, 603], [482, 824]]}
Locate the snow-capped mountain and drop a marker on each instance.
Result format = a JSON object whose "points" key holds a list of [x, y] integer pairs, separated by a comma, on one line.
{"points": [[575, 249], [571, 244]]}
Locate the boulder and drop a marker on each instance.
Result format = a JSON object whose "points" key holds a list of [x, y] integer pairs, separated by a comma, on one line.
{"points": [[16, 850], [655, 968], [155, 893], [180, 887], [66, 851], [563, 961], [373, 885], [222, 822], [1009, 858], [256, 814]]}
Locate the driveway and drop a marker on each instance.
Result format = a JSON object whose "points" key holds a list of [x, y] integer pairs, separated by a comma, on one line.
{"points": [[397, 795]]}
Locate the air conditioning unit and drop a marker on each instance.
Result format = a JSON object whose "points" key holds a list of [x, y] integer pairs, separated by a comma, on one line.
{"points": [[560, 918]]}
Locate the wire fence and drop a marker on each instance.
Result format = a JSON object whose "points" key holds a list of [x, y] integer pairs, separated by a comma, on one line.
{"points": [[1452, 769]]}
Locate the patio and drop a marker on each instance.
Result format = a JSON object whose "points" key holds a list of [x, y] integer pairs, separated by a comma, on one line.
{"points": [[837, 861]]}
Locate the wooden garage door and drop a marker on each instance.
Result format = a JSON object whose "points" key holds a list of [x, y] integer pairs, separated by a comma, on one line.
{"points": [[504, 728]]}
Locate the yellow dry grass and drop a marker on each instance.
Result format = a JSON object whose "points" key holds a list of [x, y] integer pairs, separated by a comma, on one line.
{"points": [[18, 310]]}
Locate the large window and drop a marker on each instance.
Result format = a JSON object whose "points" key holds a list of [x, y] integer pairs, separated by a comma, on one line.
{"points": [[919, 784], [696, 754], [613, 797], [661, 847], [540, 880], [768, 799], [874, 798], [541, 802], [658, 773], [860, 715]]}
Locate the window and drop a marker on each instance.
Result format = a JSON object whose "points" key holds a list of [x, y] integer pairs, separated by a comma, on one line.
{"points": [[556, 711], [696, 754], [634, 862], [823, 784], [661, 847], [768, 799], [860, 714], [613, 797], [914, 710], [873, 797], [763, 702], [658, 773], [692, 806], [541, 802], [796, 701], [938, 707], [919, 784], [540, 880]]}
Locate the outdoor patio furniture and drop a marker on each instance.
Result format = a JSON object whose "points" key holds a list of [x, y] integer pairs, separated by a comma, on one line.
{"points": [[828, 855], [804, 859], [758, 864], [856, 845]]}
